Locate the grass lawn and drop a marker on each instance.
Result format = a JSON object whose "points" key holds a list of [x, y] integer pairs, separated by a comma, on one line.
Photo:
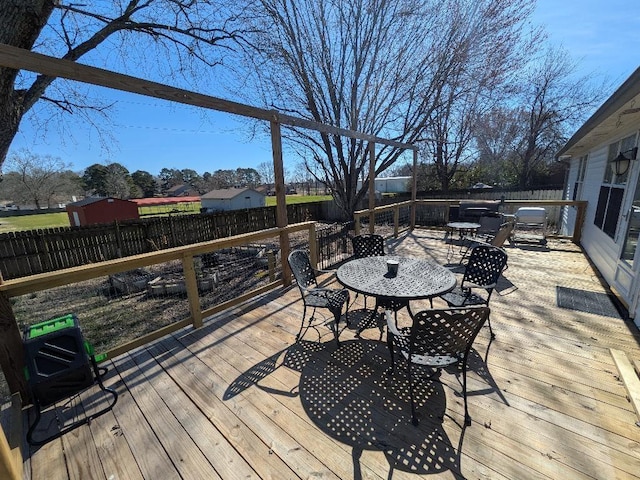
{"points": [[31, 222], [291, 199]]}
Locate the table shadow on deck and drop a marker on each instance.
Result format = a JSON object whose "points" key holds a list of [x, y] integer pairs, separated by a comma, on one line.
{"points": [[348, 394]]}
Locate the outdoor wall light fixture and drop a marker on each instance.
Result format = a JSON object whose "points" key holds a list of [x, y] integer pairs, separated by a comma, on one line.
{"points": [[621, 163]]}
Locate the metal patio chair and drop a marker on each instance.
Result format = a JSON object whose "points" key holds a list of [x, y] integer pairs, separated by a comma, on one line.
{"points": [[481, 273], [436, 339], [367, 245], [316, 297], [372, 245], [496, 239]]}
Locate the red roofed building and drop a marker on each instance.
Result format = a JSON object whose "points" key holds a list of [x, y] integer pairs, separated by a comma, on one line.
{"points": [[94, 210]]}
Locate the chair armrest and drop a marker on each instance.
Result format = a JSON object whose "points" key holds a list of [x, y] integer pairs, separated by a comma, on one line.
{"points": [[324, 290]]}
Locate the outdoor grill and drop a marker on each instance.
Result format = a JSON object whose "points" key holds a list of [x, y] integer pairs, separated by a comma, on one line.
{"points": [[531, 224]]}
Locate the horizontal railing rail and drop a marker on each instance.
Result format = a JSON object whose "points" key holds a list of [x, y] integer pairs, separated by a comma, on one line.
{"points": [[370, 214]]}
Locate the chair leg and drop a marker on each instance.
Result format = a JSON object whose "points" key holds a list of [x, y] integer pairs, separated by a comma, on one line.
{"points": [[390, 346], [335, 328], [467, 417], [414, 416], [304, 316], [493, 335]]}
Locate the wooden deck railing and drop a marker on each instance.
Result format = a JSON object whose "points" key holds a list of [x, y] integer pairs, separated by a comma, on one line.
{"points": [[10, 336], [370, 214]]}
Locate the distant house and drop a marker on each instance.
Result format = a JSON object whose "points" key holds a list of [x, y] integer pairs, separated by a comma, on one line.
{"points": [[94, 210], [232, 199], [391, 184], [182, 190]]}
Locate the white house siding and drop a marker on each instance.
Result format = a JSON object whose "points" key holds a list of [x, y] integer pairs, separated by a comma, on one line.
{"points": [[600, 248], [568, 215]]}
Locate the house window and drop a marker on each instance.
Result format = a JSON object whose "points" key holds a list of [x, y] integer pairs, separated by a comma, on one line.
{"points": [[612, 190], [577, 188]]}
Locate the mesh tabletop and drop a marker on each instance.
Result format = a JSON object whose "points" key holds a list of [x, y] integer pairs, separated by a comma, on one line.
{"points": [[416, 278]]}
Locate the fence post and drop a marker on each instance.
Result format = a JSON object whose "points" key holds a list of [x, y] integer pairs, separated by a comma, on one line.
{"points": [[356, 224], [118, 239], [12, 350], [191, 283]]}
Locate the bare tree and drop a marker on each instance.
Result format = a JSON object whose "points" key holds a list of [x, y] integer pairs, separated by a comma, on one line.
{"points": [[37, 179], [265, 170], [522, 138], [378, 67], [138, 32], [491, 44], [553, 101], [361, 65]]}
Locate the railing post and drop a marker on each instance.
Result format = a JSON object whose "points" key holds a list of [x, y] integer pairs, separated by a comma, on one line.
{"points": [[414, 191], [191, 282], [372, 186], [12, 350], [271, 261], [281, 199], [396, 221], [313, 246], [356, 224], [577, 229]]}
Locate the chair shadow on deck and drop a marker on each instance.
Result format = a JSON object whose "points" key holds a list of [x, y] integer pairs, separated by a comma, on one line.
{"points": [[295, 357], [348, 394]]}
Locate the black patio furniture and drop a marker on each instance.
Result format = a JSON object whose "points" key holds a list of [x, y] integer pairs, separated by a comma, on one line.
{"points": [[317, 297], [367, 245], [436, 339], [496, 239], [416, 279], [481, 273]]}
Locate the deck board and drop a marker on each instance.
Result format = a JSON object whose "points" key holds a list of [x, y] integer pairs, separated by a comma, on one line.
{"points": [[238, 399]]}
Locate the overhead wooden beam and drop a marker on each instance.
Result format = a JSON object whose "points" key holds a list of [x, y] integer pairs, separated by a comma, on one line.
{"points": [[21, 59]]}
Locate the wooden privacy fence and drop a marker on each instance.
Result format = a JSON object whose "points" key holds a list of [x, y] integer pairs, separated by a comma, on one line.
{"points": [[39, 251]]}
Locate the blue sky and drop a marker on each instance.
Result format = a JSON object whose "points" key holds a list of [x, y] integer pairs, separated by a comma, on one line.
{"points": [[151, 134]]}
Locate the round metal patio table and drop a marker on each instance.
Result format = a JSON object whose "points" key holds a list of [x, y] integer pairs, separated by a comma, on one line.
{"points": [[416, 279]]}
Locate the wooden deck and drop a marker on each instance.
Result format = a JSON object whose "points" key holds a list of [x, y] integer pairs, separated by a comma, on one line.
{"points": [[238, 399]]}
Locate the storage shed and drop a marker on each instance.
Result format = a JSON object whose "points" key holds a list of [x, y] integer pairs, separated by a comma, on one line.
{"points": [[232, 199], [94, 210]]}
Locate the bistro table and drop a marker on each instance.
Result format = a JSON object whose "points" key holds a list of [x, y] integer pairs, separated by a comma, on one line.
{"points": [[463, 228], [416, 279]]}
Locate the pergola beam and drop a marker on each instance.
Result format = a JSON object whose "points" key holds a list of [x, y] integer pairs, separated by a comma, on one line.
{"points": [[21, 59]]}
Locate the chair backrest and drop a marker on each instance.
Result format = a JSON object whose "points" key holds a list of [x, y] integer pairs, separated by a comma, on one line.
{"points": [[302, 270], [502, 234], [490, 224], [446, 334], [485, 266], [369, 245]]}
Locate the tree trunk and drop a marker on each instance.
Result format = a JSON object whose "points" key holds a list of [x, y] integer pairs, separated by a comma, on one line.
{"points": [[21, 23]]}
